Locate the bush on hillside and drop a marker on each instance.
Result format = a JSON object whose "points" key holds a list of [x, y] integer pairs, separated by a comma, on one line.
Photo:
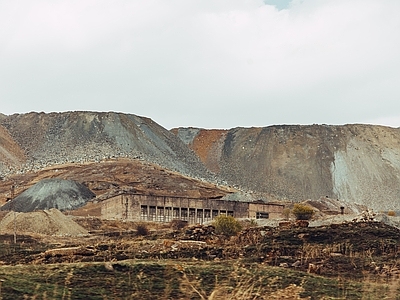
{"points": [[302, 211], [142, 229], [227, 225]]}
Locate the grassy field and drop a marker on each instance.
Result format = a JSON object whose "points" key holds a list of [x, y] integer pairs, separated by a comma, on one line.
{"points": [[347, 261], [181, 279]]}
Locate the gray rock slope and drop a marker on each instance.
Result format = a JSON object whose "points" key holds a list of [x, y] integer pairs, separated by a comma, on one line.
{"points": [[51, 193], [357, 163], [77, 137]]}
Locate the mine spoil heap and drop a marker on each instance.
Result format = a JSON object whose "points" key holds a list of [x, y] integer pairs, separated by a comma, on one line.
{"points": [[46, 222], [79, 137], [358, 163], [51, 193], [354, 163]]}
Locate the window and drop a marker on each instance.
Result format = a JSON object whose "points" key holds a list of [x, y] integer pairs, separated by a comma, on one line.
{"points": [[262, 215], [143, 212], [152, 213], [184, 213], [215, 214], [160, 214], [168, 214], [192, 215], [199, 216]]}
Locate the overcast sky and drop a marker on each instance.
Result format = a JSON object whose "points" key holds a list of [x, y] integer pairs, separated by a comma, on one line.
{"points": [[205, 63]]}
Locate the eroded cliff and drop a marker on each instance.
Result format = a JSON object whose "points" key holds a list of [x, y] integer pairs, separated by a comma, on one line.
{"points": [[357, 163]]}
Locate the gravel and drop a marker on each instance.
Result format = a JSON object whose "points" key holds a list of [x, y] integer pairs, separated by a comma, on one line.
{"points": [[51, 193], [79, 137], [47, 222]]}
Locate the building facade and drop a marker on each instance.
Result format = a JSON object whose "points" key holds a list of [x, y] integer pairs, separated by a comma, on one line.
{"points": [[196, 211]]}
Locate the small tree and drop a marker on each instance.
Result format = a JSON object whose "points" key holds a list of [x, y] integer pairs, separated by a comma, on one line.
{"points": [[227, 225], [302, 211]]}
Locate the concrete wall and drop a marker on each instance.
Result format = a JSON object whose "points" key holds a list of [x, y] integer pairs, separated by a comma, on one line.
{"points": [[164, 209]]}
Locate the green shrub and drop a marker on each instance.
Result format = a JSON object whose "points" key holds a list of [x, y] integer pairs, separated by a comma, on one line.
{"points": [[227, 225], [302, 211]]}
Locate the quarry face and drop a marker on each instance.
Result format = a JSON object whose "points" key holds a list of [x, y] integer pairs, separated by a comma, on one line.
{"points": [[354, 163]]}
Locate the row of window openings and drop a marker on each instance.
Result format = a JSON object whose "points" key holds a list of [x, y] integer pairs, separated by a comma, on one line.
{"points": [[157, 213]]}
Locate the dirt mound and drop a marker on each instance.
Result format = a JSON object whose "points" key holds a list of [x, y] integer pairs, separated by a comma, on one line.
{"points": [[47, 222], [356, 163], [51, 193]]}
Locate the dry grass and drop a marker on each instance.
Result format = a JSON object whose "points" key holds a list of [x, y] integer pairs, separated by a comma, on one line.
{"points": [[246, 285]]}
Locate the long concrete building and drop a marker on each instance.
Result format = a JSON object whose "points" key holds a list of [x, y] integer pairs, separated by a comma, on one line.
{"points": [[137, 207]]}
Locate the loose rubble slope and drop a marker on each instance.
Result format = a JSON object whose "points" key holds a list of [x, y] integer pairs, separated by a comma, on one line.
{"points": [[51, 193], [11, 155], [357, 163], [78, 137], [45, 222]]}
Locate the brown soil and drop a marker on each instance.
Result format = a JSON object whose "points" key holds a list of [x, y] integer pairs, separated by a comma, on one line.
{"points": [[208, 142], [110, 177], [350, 250], [10, 153], [47, 222]]}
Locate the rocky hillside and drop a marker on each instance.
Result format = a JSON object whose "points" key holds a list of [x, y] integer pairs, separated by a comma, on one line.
{"points": [[112, 177], [11, 155], [357, 163], [78, 137], [108, 152]]}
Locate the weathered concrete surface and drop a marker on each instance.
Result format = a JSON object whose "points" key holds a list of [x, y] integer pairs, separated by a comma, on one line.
{"points": [[357, 163]]}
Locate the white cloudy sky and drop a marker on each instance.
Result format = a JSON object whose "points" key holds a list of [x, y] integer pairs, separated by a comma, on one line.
{"points": [[205, 63]]}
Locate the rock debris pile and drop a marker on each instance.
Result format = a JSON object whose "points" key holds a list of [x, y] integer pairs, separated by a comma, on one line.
{"points": [[79, 137], [51, 193], [47, 222]]}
